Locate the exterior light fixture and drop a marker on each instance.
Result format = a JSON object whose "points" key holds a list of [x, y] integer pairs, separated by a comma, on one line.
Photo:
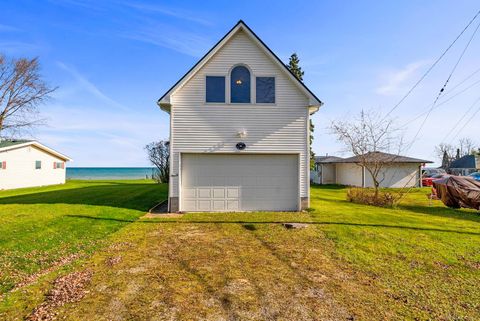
{"points": [[242, 133]]}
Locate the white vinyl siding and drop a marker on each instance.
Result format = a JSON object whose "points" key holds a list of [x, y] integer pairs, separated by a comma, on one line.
{"points": [[199, 127]]}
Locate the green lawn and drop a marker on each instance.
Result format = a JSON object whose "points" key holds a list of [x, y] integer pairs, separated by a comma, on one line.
{"points": [[40, 227], [416, 262]]}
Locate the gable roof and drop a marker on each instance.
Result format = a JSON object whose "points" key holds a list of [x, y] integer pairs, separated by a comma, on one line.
{"points": [[164, 101], [6, 145], [327, 159], [383, 158], [467, 161]]}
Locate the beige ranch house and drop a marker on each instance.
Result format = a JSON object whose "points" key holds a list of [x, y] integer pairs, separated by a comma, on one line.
{"points": [[28, 163], [239, 123], [396, 172]]}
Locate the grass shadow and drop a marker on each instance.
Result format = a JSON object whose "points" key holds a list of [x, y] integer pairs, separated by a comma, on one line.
{"points": [[138, 196], [248, 225]]}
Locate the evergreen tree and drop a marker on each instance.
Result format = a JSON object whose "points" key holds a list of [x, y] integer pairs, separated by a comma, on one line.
{"points": [[294, 67]]}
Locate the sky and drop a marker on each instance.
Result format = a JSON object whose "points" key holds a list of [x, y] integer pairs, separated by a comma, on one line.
{"points": [[113, 59]]}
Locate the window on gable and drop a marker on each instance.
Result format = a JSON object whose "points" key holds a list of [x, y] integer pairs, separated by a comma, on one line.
{"points": [[240, 85], [215, 89], [265, 88], [38, 164]]}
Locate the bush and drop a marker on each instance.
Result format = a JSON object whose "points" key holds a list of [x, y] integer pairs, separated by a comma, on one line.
{"points": [[367, 196]]}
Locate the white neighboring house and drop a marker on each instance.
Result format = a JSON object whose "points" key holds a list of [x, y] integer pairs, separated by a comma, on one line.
{"points": [[398, 171], [239, 126], [29, 163]]}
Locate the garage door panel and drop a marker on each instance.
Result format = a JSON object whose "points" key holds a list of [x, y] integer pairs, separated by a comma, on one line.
{"points": [[204, 192], [219, 205], [219, 193], [216, 182], [204, 205]]}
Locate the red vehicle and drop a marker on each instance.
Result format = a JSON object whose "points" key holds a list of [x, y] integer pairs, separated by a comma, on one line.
{"points": [[427, 181]]}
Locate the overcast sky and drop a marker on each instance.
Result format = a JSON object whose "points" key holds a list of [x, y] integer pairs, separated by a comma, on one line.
{"points": [[113, 59]]}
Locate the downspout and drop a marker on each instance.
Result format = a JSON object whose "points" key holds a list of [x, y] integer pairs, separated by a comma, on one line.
{"points": [[363, 176]]}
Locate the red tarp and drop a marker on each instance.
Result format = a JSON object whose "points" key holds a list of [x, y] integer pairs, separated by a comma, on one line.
{"points": [[457, 191]]}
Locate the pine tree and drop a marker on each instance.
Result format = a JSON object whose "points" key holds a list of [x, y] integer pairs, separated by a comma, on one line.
{"points": [[294, 67]]}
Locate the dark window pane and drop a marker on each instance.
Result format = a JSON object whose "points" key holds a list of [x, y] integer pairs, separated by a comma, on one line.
{"points": [[38, 164], [265, 90], [240, 85], [215, 89]]}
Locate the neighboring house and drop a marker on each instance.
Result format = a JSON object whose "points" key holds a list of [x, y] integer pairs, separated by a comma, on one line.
{"points": [[397, 171], [239, 123], [465, 165], [26, 163], [324, 170]]}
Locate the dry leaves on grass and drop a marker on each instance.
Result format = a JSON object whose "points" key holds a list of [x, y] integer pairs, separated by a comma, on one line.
{"points": [[33, 277], [114, 260], [66, 289]]}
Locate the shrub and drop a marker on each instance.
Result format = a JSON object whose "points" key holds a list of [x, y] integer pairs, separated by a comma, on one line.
{"points": [[367, 196]]}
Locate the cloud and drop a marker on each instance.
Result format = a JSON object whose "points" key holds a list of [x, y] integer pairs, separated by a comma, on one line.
{"points": [[6, 28], [394, 81], [90, 87], [18, 47], [168, 37], [172, 12]]}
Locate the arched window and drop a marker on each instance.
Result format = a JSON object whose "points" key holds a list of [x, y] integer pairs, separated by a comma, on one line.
{"points": [[240, 85]]}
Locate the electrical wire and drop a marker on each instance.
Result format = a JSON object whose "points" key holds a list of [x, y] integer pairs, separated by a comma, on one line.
{"points": [[445, 85], [460, 120], [432, 66], [468, 121]]}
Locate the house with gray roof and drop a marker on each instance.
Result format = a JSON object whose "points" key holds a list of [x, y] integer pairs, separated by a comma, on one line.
{"points": [[465, 165], [397, 170]]}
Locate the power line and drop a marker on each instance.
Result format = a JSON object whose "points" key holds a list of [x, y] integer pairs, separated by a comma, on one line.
{"points": [[449, 98], [459, 121], [433, 65], [468, 121], [445, 84]]}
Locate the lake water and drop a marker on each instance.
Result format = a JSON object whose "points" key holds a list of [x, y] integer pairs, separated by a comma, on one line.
{"points": [[93, 173]]}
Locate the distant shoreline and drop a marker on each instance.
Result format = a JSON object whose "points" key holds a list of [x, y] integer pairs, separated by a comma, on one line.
{"points": [[115, 173]]}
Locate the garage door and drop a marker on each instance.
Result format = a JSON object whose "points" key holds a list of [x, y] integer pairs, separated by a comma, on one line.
{"points": [[239, 182]]}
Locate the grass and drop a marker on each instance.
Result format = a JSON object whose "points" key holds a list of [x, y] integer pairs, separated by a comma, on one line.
{"points": [[41, 226], [414, 262]]}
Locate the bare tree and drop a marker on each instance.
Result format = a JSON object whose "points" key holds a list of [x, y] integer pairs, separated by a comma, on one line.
{"points": [[22, 90], [466, 146], [445, 153], [448, 152], [159, 156], [365, 136]]}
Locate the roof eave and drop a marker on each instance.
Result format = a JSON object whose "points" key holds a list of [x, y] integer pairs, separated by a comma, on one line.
{"points": [[165, 104]]}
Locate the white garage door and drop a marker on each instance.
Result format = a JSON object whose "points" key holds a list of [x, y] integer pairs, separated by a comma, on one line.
{"points": [[239, 182]]}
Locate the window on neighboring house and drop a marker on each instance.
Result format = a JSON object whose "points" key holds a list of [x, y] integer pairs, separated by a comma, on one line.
{"points": [[265, 89], [215, 89], [240, 85], [3, 165], [58, 165], [38, 164]]}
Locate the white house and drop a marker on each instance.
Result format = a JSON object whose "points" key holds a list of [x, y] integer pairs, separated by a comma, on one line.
{"points": [[29, 163], [397, 171], [239, 123]]}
